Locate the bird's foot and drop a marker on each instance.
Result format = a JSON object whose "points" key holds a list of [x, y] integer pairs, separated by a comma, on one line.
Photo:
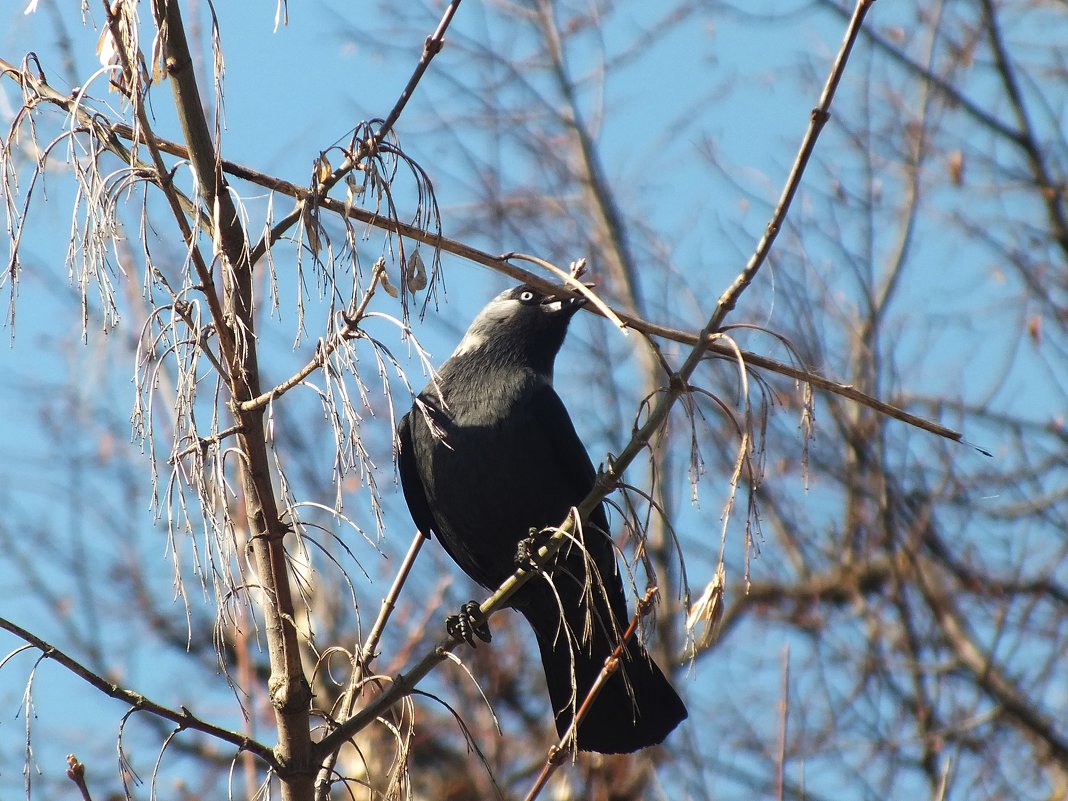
{"points": [[526, 550], [462, 626]]}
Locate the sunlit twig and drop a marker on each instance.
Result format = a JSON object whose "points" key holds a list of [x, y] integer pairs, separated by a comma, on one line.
{"points": [[366, 655], [611, 665]]}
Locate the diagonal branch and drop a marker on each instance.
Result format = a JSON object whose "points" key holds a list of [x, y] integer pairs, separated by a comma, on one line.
{"points": [[108, 134], [323, 352], [679, 382], [363, 659], [976, 110], [611, 665], [820, 115], [405, 683], [502, 265], [1036, 153], [431, 47], [183, 717], [980, 663]]}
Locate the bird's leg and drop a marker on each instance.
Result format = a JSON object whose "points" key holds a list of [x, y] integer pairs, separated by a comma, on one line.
{"points": [[462, 626], [526, 550]]}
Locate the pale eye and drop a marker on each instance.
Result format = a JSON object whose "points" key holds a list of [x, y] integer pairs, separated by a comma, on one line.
{"points": [[526, 296]]}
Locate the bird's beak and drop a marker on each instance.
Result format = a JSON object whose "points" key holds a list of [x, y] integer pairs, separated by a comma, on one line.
{"points": [[562, 303]]}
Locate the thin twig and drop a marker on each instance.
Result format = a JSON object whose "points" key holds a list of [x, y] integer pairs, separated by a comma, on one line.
{"points": [[206, 442], [784, 717], [366, 655], [130, 68], [322, 353], [431, 47], [611, 665], [389, 603], [602, 202], [1036, 152], [184, 718], [819, 117]]}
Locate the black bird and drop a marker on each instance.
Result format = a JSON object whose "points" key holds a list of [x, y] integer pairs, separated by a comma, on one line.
{"points": [[488, 453]]}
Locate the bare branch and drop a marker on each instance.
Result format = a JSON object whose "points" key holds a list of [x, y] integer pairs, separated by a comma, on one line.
{"points": [[235, 323], [982, 665], [502, 265], [431, 47], [184, 718], [361, 663], [611, 665], [322, 354], [131, 68]]}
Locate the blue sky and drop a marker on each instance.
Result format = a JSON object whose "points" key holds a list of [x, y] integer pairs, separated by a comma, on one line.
{"points": [[295, 91]]}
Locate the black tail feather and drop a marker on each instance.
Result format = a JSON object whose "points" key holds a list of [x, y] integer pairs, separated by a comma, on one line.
{"points": [[637, 707]]}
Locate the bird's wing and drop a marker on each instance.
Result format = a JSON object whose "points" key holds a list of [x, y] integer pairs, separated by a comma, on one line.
{"points": [[572, 464], [551, 420], [411, 482]]}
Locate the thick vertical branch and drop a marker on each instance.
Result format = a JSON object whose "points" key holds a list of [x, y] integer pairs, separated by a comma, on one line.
{"points": [[290, 693]]}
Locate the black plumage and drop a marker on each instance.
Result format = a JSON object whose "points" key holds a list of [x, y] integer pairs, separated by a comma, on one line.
{"points": [[487, 453]]}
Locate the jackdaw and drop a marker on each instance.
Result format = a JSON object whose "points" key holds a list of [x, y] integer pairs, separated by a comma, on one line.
{"points": [[487, 455]]}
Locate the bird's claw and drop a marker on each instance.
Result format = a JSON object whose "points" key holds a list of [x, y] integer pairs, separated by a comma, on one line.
{"points": [[526, 550], [462, 626]]}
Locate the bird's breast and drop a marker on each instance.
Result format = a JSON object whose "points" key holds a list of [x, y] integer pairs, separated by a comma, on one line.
{"points": [[487, 398], [491, 475]]}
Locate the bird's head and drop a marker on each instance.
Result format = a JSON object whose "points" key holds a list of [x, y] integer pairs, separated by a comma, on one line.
{"points": [[522, 326]]}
